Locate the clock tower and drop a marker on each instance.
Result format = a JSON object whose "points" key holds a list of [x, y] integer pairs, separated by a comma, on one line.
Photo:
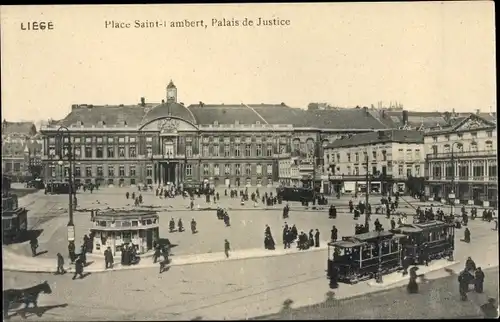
{"points": [[171, 93]]}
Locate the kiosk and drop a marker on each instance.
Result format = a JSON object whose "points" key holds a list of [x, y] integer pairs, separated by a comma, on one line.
{"points": [[118, 228]]}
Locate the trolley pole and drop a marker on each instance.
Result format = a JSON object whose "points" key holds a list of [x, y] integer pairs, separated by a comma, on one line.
{"points": [[367, 197], [452, 194], [71, 225], [379, 278]]}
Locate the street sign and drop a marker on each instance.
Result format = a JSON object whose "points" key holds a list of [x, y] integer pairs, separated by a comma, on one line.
{"points": [[71, 233]]}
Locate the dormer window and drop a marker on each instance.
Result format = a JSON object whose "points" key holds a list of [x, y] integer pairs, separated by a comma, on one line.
{"points": [[237, 122], [258, 122], [101, 123], [79, 123], [216, 123]]}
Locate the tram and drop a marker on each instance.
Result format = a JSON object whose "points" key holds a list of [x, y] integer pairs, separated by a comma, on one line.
{"points": [[295, 194], [437, 236], [361, 257], [58, 187]]}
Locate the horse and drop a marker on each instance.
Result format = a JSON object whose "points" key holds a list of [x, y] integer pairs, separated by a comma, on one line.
{"points": [[26, 296]]}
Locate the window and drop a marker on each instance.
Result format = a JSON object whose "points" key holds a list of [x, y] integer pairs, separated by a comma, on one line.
{"points": [[78, 151], [258, 169], [282, 148], [132, 140], [417, 154], [52, 170], [384, 155], [189, 170], [99, 139], [269, 152], [374, 155], [227, 169], [259, 150], [356, 171], [269, 169], [489, 134], [149, 151], [473, 147], [248, 150], [88, 140], [205, 170], [296, 145], [434, 139], [216, 170], [434, 149], [189, 151], [489, 145], [132, 151], [77, 140], [237, 151], [52, 151], [121, 140], [149, 139], [447, 137], [492, 170], [132, 170], [338, 157], [88, 152], [205, 150], [88, 171], [238, 170], [473, 134], [110, 181], [356, 157], [348, 157], [248, 170], [99, 152], [78, 172], [111, 152], [409, 154], [100, 173], [149, 171], [121, 151], [460, 135], [226, 150], [310, 146], [417, 170], [111, 171], [400, 169], [216, 150], [446, 148], [121, 171], [110, 140], [374, 170], [408, 172]]}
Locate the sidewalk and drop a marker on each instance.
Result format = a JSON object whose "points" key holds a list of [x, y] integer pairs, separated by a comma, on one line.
{"points": [[14, 262]]}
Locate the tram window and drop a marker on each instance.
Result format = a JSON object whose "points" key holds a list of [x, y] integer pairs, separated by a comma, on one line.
{"points": [[126, 224], [135, 223], [148, 221], [385, 247], [102, 223], [367, 252]]}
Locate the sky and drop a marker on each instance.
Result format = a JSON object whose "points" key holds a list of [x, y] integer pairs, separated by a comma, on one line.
{"points": [[428, 56]]}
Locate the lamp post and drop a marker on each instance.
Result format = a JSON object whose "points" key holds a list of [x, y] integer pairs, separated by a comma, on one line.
{"points": [[378, 277], [452, 194], [367, 197], [69, 155]]}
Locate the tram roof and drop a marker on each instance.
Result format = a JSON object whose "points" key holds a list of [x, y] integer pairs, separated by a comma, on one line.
{"points": [[125, 213], [373, 235], [346, 243]]}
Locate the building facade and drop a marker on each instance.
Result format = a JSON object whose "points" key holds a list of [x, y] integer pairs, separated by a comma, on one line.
{"points": [[21, 149], [234, 145], [462, 162], [386, 158]]}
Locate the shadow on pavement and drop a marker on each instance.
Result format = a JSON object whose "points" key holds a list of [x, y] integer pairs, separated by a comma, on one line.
{"points": [[38, 311], [27, 236]]}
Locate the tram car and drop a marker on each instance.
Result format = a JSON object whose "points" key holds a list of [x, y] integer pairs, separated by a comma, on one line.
{"points": [[14, 218], [360, 257], [58, 188], [437, 236], [295, 194]]}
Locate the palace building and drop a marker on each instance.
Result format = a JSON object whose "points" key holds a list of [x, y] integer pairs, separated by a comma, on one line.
{"points": [[236, 145]]}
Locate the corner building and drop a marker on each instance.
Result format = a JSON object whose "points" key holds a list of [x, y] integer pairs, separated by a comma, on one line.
{"points": [[149, 143]]}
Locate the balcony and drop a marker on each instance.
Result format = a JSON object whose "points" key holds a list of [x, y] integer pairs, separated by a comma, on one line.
{"points": [[457, 179], [306, 167], [464, 154]]}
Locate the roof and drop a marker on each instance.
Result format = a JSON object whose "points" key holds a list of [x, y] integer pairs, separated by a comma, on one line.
{"points": [[379, 137], [125, 214], [372, 235], [168, 109], [111, 115], [224, 114], [26, 128], [346, 243]]}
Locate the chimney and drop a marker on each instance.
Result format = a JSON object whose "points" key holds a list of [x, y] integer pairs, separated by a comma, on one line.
{"points": [[143, 101], [365, 108], [163, 101], [405, 117], [74, 106], [477, 111]]}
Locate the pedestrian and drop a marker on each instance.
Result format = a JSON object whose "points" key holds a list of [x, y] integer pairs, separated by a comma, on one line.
{"points": [[193, 226], [334, 235], [393, 224], [463, 282], [467, 235], [316, 238], [227, 248], [60, 264], [479, 280], [34, 246], [78, 268], [71, 251], [108, 258], [180, 225], [311, 238]]}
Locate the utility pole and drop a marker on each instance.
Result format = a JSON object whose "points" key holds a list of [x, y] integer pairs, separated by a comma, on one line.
{"points": [[367, 197]]}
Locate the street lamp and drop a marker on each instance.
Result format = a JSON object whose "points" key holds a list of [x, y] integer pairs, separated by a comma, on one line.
{"points": [[367, 197], [378, 277], [452, 194], [69, 155]]}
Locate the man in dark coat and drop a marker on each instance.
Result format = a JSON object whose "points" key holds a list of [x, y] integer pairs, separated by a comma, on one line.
{"points": [[157, 253], [351, 206], [479, 280], [71, 251], [268, 230], [311, 238], [393, 223], [171, 225], [316, 238], [463, 284], [334, 235], [34, 246], [227, 248], [78, 268], [60, 264], [467, 235], [193, 226], [180, 225], [108, 258], [295, 232]]}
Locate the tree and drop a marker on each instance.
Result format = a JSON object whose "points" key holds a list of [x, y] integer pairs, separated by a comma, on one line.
{"points": [[312, 106]]}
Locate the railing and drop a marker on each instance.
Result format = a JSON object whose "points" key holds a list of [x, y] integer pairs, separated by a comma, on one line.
{"points": [[461, 154], [462, 178]]}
